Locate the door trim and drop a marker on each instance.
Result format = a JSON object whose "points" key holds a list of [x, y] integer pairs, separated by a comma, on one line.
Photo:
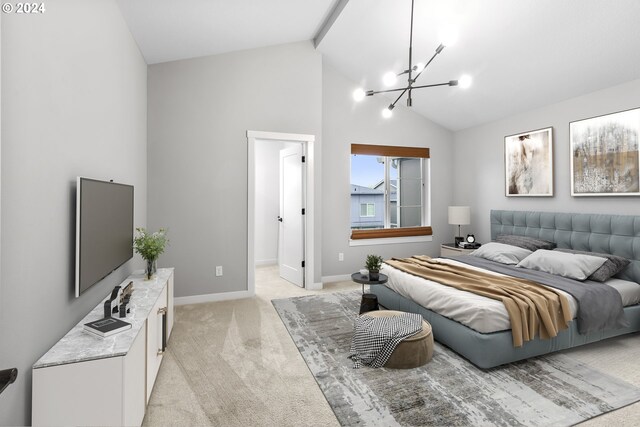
{"points": [[308, 142]]}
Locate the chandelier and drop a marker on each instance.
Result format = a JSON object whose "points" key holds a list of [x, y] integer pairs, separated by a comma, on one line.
{"points": [[413, 72]]}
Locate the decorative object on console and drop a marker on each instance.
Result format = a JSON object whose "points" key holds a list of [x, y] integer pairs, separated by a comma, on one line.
{"points": [[373, 264], [107, 326], [604, 155], [528, 163], [111, 303], [7, 377], [390, 78], [150, 247], [459, 215]]}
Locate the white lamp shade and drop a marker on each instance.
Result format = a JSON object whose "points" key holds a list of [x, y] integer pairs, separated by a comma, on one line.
{"points": [[459, 215]]}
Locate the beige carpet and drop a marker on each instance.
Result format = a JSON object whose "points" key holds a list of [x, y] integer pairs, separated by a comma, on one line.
{"points": [[233, 363]]}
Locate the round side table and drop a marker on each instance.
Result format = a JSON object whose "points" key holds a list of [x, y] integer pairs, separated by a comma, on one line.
{"points": [[369, 301]]}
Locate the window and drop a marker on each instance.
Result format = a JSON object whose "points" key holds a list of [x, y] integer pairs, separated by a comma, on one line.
{"points": [[367, 209], [388, 191]]}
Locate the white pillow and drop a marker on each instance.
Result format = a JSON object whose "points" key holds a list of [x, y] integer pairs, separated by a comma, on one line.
{"points": [[629, 291], [502, 253], [573, 266]]}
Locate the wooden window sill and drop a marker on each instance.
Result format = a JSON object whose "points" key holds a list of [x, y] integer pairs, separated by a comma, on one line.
{"points": [[383, 233]]}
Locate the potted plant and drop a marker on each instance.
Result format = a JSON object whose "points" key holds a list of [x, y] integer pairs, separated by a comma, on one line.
{"points": [[373, 264], [150, 246]]}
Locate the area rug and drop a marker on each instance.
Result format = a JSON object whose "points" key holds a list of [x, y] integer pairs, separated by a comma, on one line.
{"points": [[551, 390]]}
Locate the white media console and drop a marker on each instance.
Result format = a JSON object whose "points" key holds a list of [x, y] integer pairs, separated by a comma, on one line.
{"points": [[87, 380]]}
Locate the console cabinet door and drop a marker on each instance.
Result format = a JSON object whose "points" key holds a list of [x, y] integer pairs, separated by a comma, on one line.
{"points": [[170, 305], [155, 325]]}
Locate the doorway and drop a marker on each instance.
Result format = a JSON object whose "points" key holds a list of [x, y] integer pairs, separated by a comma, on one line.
{"points": [[280, 207]]}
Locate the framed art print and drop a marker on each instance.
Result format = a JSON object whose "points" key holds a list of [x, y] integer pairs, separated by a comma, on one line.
{"points": [[528, 164], [604, 155]]}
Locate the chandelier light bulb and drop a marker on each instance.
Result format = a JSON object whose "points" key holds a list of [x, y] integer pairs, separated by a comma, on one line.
{"points": [[386, 113], [389, 79], [358, 94], [464, 82], [448, 37]]}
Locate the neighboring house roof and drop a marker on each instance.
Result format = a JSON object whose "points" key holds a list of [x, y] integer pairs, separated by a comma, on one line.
{"points": [[394, 189], [359, 189], [393, 184]]}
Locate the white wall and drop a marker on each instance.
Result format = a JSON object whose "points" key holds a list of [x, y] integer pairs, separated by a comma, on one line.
{"points": [[199, 112], [480, 184], [267, 206], [73, 103], [345, 122]]}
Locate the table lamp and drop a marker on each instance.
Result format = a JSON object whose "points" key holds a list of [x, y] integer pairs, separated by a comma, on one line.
{"points": [[459, 215]]}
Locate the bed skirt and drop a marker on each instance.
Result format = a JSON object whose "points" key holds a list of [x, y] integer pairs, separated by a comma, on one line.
{"points": [[494, 349]]}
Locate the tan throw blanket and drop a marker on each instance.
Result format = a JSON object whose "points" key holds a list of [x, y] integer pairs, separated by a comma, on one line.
{"points": [[533, 309]]}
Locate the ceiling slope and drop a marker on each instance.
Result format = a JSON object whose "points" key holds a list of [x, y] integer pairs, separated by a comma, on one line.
{"points": [[521, 54]]}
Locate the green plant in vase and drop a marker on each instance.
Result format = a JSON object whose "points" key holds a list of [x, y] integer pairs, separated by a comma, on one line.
{"points": [[373, 264], [150, 246]]}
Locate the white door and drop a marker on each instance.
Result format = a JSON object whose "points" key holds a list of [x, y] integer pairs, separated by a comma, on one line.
{"points": [[291, 233]]}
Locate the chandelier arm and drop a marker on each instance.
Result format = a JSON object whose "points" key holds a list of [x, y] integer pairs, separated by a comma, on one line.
{"points": [[449, 83], [375, 92], [398, 98], [428, 62]]}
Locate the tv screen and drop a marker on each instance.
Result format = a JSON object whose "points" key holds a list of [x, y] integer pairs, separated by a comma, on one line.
{"points": [[104, 230]]}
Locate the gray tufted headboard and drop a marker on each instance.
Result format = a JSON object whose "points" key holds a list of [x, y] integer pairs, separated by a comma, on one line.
{"points": [[611, 234]]}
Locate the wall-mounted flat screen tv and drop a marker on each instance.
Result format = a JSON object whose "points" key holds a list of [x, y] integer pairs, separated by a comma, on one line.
{"points": [[104, 230]]}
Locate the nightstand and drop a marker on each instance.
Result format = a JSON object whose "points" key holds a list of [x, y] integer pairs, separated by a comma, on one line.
{"points": [[450, 249]]}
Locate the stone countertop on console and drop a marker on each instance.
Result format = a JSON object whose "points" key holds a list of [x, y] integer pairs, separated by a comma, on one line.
{"points": [[79, 345]]}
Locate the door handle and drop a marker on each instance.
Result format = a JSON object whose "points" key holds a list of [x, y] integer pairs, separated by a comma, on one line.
{"points": [[163, 311]]}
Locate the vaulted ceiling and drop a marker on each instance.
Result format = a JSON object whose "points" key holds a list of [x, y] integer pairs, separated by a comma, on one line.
{"points": [[521, 54]]}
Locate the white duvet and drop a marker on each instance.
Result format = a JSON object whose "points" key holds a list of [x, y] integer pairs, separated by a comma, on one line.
{"points": [[483, 314]]}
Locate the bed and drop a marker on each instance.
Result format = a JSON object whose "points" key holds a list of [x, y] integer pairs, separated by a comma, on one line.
{"points": [[611, 234]]}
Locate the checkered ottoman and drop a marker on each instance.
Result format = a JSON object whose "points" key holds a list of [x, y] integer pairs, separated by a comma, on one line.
{"points": [[412, 352]]}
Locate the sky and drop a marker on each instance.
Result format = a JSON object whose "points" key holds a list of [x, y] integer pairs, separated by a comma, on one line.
{"points": [[366, 171]]}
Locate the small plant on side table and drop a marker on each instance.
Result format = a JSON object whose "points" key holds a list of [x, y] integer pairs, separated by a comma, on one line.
{"points": [[373, 264], [150, 246]]}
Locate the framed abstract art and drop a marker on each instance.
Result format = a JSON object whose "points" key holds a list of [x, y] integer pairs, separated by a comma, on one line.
{"points": [[528, 164], [604, 155]]}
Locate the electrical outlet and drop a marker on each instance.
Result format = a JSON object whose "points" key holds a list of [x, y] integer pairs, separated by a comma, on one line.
{"points": [[218, 270], [340, 256]]}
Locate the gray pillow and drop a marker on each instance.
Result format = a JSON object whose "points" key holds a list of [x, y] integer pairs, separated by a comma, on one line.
{"points": [[573, 266], [499, 252], [526, 242], [613, 265]]}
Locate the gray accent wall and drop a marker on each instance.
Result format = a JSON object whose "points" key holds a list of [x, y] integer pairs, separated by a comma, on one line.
{"points": [[345, 122], [199, 113], [74, 102], [479, 160]]}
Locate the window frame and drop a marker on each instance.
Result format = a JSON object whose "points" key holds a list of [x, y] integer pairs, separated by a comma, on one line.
{"points": [[366, 215], [400, 232]]}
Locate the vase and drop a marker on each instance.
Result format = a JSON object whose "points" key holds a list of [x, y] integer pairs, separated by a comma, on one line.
{"points": [[152, 267], [374, 275]]}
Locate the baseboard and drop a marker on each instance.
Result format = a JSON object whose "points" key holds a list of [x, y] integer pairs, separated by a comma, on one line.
{"points": [[223, 296], [338, 278], [315, 286], [266, 262]]}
